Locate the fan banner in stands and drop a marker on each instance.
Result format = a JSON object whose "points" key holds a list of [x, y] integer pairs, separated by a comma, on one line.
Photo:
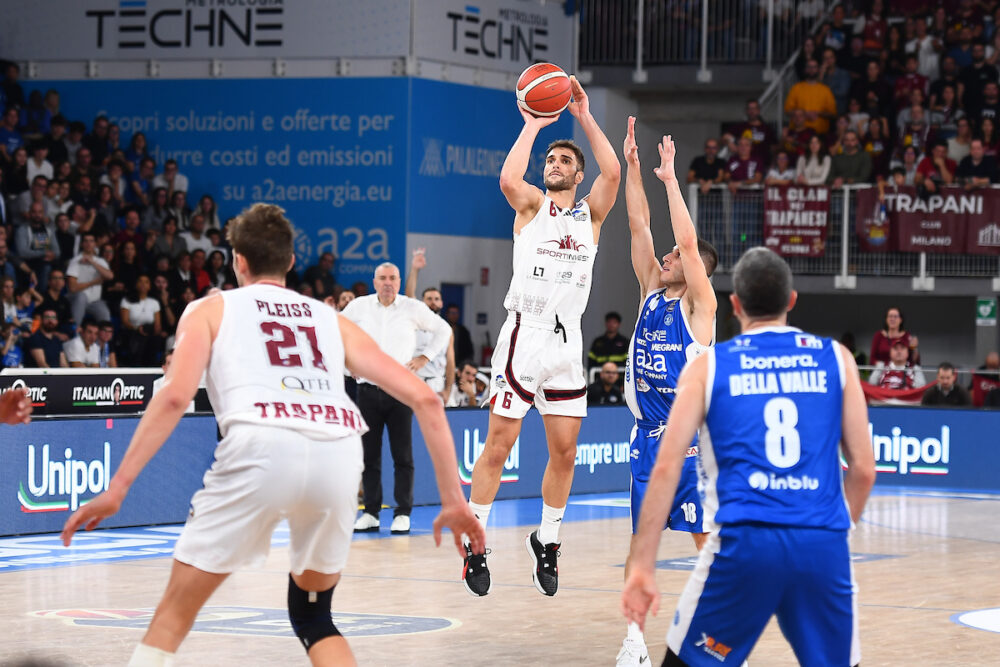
{"points": [[953, 221], [796, 219]]}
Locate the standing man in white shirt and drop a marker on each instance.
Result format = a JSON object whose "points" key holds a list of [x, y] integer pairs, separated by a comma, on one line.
{"points": [[85, 275], [83, 350], [393, 320]]}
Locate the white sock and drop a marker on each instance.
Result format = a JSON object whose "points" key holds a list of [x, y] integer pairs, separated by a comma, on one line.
{"points": [[148, 656], [634, 633], [548, 530], [482, 513]]}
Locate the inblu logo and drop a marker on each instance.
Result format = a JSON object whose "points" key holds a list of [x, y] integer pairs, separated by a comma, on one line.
{"points": [[763, 481], [473, 448], [907, 454], [50, 478]]}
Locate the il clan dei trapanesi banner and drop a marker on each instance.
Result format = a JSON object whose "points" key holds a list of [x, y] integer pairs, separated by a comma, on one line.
{"points": [[796, 220], [953, 221]]}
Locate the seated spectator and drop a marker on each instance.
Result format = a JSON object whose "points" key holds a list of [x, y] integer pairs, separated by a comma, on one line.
{"points": [[610, 346], [813, 167], [893, 330], [946, 113], [985, 379], [911, 80], [27, 299], [73, 141], [141, 325], [208, 208], [115, 178], [141, 184], [946, 391], [852, 166], [464, 392], [105, 339], [604, 390], [898, 373], [45, 349], [874, 90], [782, 172], [195, 238], [936, 170], [907, 165], [706, 170], [959, 145], [179, 208], [742, 169], [218, 270], [10, 138], [835, 139], [11, 263], [878, 145], [976, 170], [795, 138], [36, 243], [171, 178], [169, 243], [137, 150], [11, 352], [836, 79], [320, 276], [97, 141], [754, 128], [34, 195], [161, 292], [53, 299], [988, 133], [836, 33], [814, 98], [926, 47], [345, 298], [975, 79], [962, 50], [130, 232], [83, 351], [37, 163], [198, 273], [86, 273], [9, 301]]}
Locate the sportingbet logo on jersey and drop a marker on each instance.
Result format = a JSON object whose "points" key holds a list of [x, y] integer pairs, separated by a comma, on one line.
{"points": [[56, 483], [911, 454], [472, 448]]}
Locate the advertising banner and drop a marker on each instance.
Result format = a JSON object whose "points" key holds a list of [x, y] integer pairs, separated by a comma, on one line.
{"points": [[188, 29], [331, 152], [52, 467], [505, 35], [935, 447], [796, 219], [455, 170], [952, 221], [84, 394]]}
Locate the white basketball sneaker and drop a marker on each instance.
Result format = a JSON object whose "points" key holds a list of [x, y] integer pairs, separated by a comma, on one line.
{"points": [[632, 654]]}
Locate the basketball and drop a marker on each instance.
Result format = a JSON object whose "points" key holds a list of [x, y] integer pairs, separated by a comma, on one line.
{"points": [[543, 90]]}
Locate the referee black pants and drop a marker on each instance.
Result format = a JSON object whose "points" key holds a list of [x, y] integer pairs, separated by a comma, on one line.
{"points": [[381, 410]]}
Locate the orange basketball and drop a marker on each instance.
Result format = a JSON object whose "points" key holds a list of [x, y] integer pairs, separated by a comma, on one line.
{"points": [[543, 90]]}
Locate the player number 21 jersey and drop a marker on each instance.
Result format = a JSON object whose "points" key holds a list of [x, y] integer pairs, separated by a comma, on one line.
{"points": [[278, 360], [553, 264]]}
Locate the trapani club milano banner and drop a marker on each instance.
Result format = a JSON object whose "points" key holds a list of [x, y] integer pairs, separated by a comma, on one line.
{"points": [[796, 219], [953, 221]]}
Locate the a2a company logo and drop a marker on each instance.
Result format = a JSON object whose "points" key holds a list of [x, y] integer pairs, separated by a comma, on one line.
{"points": [[472, 448], [909, 454], [57, 485], [116, 393]]}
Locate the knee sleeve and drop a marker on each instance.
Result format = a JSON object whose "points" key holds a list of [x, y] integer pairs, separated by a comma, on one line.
{"points": [[309, 613]]}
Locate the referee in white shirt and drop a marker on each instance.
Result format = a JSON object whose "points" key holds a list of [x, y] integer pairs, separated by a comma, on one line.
{"points": [[392, 320]]}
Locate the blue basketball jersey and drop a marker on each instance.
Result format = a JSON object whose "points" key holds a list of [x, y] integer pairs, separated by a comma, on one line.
{"points": [[774, 398], [660, 347]]}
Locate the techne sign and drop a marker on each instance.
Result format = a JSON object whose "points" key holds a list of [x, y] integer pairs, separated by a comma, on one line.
{"points": [[180, 24], [194, 29], [506, 35]]}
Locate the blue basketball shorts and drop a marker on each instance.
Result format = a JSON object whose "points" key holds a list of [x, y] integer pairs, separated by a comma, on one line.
{"points": [[685, 513], [747, 573]]}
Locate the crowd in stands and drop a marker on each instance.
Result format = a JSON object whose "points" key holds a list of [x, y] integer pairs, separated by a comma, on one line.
{"points": [[891, 92], [101, 248]]}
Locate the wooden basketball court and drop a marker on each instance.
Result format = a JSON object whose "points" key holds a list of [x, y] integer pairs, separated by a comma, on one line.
{"points": [[921, 559]]}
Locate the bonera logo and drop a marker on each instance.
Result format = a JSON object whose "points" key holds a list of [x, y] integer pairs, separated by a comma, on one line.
{"points": [[473, 448], [763, 481], [51, 480], [908, 454]]}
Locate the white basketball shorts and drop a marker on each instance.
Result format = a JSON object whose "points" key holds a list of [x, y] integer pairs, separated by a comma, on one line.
{"points": [[535, 365], [261, 475]]}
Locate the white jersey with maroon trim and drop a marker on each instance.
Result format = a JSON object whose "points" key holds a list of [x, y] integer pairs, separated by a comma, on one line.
{"points": [[278, 360], [553, 264]]}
